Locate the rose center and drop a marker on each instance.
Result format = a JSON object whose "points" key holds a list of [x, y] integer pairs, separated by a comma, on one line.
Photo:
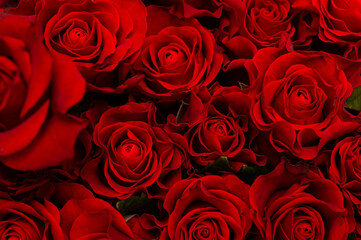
{"points": [[301, 98], [170, 57], [219, 128], [77, 37], [204, 231], [304, 231], [131, 152]]}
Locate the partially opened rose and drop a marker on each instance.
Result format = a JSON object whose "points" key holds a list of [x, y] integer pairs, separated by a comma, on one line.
{"points": [[299, 99], [210, 207], [177, 55], [345, 170], [133, 155], [220, 132], [96, 35], [35, 94], [295, 203]]}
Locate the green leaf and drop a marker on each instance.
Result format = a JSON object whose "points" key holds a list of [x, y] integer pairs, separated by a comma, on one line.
{"points": [[133, 204], [249, 173], [354, 101], [221, 164]]}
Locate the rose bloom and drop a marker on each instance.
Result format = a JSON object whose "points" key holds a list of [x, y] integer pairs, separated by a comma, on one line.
{"points": [[254, 24], [133, 155], [299, 99], [339, 23], [295, 203], [345, 170], [93, 218], [96, 35], [33, 221], [221, 129], [35, 94], [177, 56], [210, 207]]}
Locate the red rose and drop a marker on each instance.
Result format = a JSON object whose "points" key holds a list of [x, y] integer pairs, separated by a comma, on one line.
{"points": [[220, 131], [299, 99], [339, 23], [210, 207], [345, 170], [93, 219], [35, 93], [295, 203], [251, 24], [134, 155], [177, 55], [96, 35], [29, 221]]}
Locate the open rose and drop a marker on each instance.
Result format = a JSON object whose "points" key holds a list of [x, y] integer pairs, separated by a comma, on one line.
{"points": [[177, 55], [220, 130], [345, 170], [295, 203], [96, 35], [299, 99], [35, 94], [253, 24], [133, 154], [211, 207]]}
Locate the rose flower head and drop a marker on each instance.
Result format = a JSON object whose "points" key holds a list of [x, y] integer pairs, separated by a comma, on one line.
{"points": [[134, 154], [96, 35], [299, 99], [177, 55]]}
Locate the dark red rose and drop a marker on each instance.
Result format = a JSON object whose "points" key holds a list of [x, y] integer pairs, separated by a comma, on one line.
{"points": [[299, 99], [29, 221], [133, 154], [177, 55], [296, 203], [220, 130], [253, 24], [339, 23], [93, 219], [345, 170], [96, 35], [210, 207], [35, 130]]}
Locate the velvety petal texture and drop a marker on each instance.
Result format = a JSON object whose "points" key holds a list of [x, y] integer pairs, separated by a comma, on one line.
{"points": [[177, 55], [35, 130], [295, 203], [210, 207]]}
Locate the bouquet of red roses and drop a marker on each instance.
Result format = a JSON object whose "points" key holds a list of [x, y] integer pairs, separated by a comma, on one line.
{"points": [[180, 119]]}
